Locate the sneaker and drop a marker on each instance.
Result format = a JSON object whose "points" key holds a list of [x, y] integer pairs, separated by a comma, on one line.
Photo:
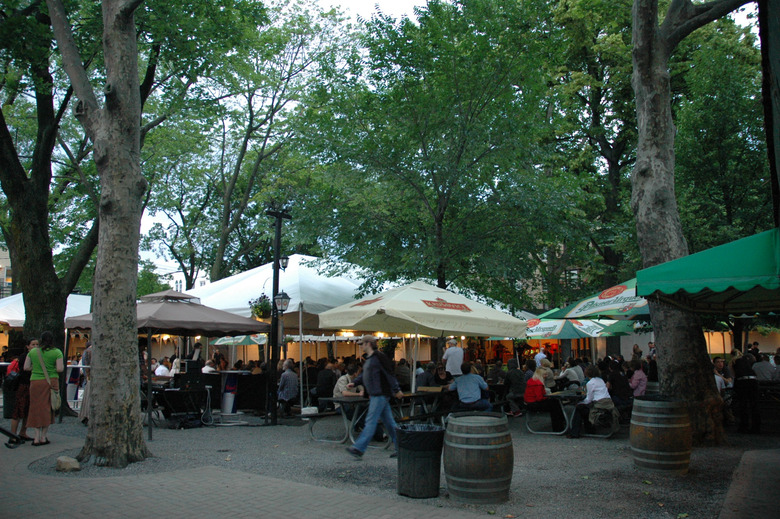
{"points": [[355, 453], [517, 413]]}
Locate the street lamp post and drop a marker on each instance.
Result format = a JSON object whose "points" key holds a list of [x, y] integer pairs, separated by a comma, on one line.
{"points": [[274, 336]]}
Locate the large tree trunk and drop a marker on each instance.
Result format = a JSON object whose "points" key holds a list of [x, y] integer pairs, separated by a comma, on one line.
{"points": [[115, 433], [684, 367]]}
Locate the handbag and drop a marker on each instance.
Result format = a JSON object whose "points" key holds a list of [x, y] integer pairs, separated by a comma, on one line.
{"points": [[56, 401]]}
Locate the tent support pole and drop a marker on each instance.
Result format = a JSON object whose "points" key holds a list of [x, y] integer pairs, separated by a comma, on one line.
{"points": [[149, 381]]}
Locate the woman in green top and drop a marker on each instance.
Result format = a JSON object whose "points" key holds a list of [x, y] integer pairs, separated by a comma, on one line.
{"points": [[40, 416]]}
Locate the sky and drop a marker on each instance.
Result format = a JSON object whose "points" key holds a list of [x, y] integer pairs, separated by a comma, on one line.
{"points": [[365, 8]]}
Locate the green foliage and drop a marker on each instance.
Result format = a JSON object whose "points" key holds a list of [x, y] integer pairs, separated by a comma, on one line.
{"points": [[231, 156], [722, 172], [149, 281], [430, 148], [261, 306], [388, 347]]}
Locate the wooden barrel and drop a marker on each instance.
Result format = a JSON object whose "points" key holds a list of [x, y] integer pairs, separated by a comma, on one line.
{"points": [[653, 388], [478, 457], [661, 436]]}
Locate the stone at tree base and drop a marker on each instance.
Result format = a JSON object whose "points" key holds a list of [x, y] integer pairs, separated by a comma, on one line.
{"points": [[67, 464]]}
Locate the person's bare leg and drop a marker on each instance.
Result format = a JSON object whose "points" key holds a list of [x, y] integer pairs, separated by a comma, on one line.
{"points": [[44, 431], [15, 425]]}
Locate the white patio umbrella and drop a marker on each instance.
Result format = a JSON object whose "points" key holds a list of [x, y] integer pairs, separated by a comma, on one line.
{"points": [[423, 309]]}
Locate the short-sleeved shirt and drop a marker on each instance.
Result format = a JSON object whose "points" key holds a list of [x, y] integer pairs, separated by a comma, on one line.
{"points": [[50, 357], [453, 358]]}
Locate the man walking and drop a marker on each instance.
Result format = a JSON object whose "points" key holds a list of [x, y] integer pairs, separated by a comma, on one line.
{"points": [[380, 385]]}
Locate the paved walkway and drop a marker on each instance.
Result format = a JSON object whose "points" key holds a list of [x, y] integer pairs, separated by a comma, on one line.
{"points": [[215, 491], [754, 485], [201, 492]]}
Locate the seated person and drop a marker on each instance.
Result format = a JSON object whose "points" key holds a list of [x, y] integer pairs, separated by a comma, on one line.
{"points": [[326, 381], [288, 387], [597, 398], [619, 389], [529, 368], [442, 377], [764, 369], [403, 374], [536, 400], [209, 367], [341, 389], [469, 387], [515, 387], [549, 376], [426, 378], [163, 369], [722, 371], [638, 379], [496, 375], [569, 375]]}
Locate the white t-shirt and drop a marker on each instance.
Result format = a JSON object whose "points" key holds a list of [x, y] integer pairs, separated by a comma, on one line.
{"points": [[207, 369], [453, 358], [597, 390], [539, 357], [162, 371]]}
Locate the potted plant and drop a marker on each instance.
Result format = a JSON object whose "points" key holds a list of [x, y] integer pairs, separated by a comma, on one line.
{"points": [[261, 306]]}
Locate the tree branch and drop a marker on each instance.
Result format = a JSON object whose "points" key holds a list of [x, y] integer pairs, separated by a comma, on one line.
{"points": [[80, 259], [87, 108]]}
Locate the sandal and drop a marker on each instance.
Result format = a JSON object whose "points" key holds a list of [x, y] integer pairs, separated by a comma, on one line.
{"points": [[25, 438], [14, 441]]}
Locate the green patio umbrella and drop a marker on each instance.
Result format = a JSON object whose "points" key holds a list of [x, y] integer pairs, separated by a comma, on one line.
{"points": [[562, 329], [623, 327], [739, 277], [617, 302]]}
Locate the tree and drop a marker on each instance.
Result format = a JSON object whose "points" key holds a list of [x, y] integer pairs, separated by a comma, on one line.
{"points": [[214, 198], [115, 131], [721, 159], [597, 126], [430, 148], [149, 282], [684, 366]]}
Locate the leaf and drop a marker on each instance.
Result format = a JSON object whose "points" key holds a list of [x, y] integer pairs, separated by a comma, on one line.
{"points": [[682, 515], [646, 482], [585, 477], [647, 493]]}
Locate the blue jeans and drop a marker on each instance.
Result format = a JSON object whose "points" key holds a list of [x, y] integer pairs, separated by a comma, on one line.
{"points": [[378, 407]]}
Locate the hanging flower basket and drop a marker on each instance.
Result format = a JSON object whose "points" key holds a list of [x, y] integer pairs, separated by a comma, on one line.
{"points": [[261, 307]]}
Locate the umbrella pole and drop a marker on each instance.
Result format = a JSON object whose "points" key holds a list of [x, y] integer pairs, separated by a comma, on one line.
{"points": [[300, 349], [149, 382]]}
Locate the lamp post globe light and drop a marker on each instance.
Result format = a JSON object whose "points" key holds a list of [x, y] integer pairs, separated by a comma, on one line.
{"points": [[281, 301]]}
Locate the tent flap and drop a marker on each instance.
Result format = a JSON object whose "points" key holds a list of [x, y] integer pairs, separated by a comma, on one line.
{"points": [[741, 276]]}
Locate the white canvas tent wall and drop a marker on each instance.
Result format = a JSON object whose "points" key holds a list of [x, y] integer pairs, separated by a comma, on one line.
{"points": [[311, 293], [12, 312]]}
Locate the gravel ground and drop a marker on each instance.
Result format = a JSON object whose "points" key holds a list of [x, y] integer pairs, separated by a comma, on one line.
{"points": [[553, 476]]}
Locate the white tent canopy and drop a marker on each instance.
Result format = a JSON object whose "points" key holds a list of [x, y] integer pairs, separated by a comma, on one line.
{"points": [[12, 308], [310, 292]]}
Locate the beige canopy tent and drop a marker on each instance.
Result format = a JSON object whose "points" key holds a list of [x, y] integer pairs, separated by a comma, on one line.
{"points": [[179, 314]]}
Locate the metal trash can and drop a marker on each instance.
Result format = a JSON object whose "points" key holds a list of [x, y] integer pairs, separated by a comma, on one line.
{"points": [[419, 459], [9, 400]]}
